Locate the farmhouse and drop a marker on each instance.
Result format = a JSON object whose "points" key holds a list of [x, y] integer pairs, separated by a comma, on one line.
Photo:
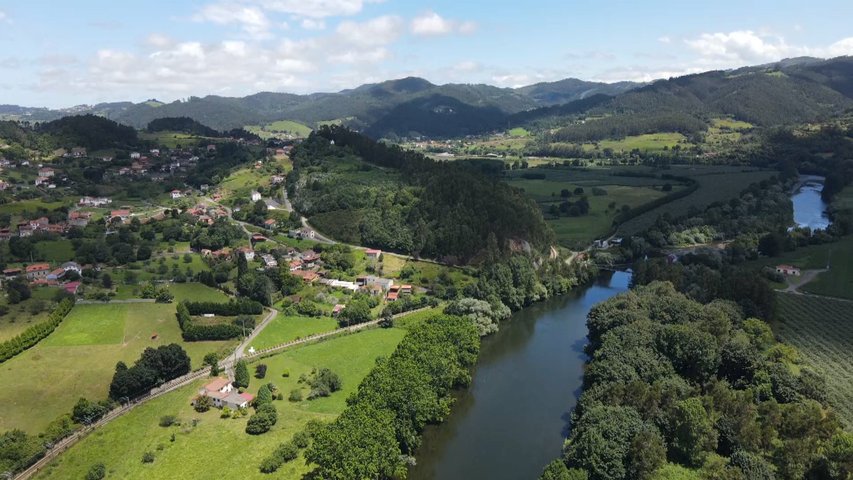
{"points": [[788, 270], [247, 253], [308, 277], [120, 214], [222, 393], [46, 172], [37, 271], [255, 195], [11, 273], [176, 194], [269, 260], [375, 284]]}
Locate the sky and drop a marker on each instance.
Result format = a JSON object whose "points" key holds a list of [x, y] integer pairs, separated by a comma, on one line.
{"points": [[64, 53]]}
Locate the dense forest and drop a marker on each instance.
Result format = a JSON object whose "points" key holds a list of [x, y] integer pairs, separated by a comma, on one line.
{"points": [[674, 384], [369, 193], [181, 124]]}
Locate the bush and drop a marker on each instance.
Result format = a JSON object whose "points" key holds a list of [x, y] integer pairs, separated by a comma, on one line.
{"points": [[148, 457], [96, 472], [295, 395], [260, 370], [203, 404], [168, 420], [301, 439], [284, 453], [264, 418]]}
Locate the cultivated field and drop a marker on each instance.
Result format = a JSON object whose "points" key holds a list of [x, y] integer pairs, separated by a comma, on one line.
{"points": [[651, 142], [78, 359], [220, 447], [822, 330]]}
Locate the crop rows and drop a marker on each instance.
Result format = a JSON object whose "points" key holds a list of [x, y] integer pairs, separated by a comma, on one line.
{"points": [[822, 330]]}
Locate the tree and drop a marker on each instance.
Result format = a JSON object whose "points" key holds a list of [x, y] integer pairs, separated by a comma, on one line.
{"points": [[694, 434], [264, 418], [241, 374], [107, 281], [481, 313], [264, 396], [203, 403], [260, 370], [557, 470], [17, 290], [212, 359], [357, 311], [772, 244]]}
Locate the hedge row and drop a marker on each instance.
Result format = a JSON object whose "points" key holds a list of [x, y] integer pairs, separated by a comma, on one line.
{"points": [[35, 333], [197, 333], [231, 308]]}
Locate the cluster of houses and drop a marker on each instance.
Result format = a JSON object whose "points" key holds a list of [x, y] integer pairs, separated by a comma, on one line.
{"points": [[43, 274], [206, 214]]}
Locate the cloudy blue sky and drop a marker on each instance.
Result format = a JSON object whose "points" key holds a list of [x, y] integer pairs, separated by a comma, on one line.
{"points": [[65, 53]]}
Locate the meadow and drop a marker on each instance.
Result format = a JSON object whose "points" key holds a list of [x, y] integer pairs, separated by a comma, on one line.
{"points": [[280, 128], [285, 328], [822, 331], [651, 142], [715, 184], [206, 444], [55, 251], [78, 359], [173, 139]]}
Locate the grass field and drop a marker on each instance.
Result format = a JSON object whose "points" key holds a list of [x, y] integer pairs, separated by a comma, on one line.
{"points": [[173, 139], [55, 251], [286, 328], [822, 330], [715, 184], [20, 206], [651, 142], [279, 129], [220, 447], [78, 359], [574, 232], [20, 318], [196, 292]]}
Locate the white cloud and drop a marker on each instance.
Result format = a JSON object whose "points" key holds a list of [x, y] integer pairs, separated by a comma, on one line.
{"points": [[431, 23], [158, 40], [4, 17], [743, 46], [664, 39], [378, 31], [840, 48], [467, 66], [252, 19], [313, 24], [314, 8]]}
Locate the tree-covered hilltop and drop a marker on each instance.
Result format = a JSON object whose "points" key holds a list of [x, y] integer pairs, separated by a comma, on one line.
{"points": [[88, 131], [360, 191], [181, 124], [674, 385]]}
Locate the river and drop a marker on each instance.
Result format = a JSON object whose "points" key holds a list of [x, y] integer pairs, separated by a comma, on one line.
{"points": [[512, 420], [809, 207]]}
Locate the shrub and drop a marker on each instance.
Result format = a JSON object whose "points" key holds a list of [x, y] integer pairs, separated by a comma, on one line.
{"points": [[168, 420], [203, 404], [148, 457], [295, 395], [284, 453], [301, 439], [260, 370], [264, 418], [96, 472]]}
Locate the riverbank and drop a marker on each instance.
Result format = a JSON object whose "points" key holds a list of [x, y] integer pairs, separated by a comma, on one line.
{"points": [[507, 425]]}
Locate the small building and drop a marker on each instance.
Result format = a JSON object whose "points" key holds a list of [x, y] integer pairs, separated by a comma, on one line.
{"points": [[375, 284], [257, 237], [94, 201], [71, 287], [5, 234], [373, 254], [269, 223], [306, 276], [310, 257], [295, 265], [222, 394], [72, 266], [176, 194], [56, 274], [37, 271], [269, 261], [247, 253], [121, 214], [255, 195], [46, 172], [338, 309], [11, 273], [392, 296], [788, 270]]}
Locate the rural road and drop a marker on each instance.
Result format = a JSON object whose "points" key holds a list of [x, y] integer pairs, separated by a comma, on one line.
{"points": [[179, 382], [238, 352], [806, 276]]}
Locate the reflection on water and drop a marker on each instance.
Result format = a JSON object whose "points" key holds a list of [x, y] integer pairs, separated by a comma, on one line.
{"points": [[512, 420], [809, 208]]}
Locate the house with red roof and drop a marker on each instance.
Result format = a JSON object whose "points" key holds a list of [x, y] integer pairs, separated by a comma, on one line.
{"points": [[788, 270], [37, 271], [121, 214], [223, 394], [372, 254], [71, 287]]}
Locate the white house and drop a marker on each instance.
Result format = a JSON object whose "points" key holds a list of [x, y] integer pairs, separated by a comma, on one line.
{"points": [[788, 270], [255, 196], [222, 393], [176, 194]]}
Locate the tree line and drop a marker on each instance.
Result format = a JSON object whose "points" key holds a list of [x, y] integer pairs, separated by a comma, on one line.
{"points": [[381, 426]]}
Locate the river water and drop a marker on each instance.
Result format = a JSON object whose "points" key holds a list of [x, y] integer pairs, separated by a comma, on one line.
{"points": [[513, 419], [809, 208]]}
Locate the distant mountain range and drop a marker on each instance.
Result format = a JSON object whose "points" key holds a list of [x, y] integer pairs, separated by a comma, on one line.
{"points": [[790, 91], [361, 107]]}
